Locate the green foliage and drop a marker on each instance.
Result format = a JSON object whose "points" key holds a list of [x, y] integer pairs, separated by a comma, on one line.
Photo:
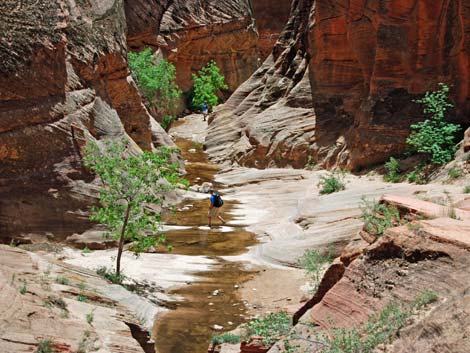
{"points": [[379, 329], [55, 301], [23, 288], [225, 338], [310, 163], [82, 298], [466, 189], [435, 137], [132, 184], [156, 80], [45, 346], [110, 275], [270, 327], [206, 84], [313, 262], [86, 250], [333, 182], [62, 280], [393, 171], [454, 173], [89, 318], [425, 298], [416, 176], [378, 217]]}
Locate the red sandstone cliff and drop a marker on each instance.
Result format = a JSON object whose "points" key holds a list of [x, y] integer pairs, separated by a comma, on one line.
{"points": [[366, 61], [64, 80]]}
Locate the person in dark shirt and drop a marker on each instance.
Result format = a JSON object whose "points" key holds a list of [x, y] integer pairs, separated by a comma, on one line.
{"points": [[213, 209], [205, 110]]}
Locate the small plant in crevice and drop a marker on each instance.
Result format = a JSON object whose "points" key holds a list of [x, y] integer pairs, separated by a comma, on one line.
{"points": [[110, 275], [466, 189], [225, 338], [454, 173], [90, 317], [313, 262], [417, 176], [23, 289], [393, 171], [86, 250], [310, 165], [45, 346], [378, 217], [62, 280], [270, 328], [333, 182]]}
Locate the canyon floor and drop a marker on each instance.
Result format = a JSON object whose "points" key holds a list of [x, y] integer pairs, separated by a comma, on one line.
{"points": [[214, 279]]}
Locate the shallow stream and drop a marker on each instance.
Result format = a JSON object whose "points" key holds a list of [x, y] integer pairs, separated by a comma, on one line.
{"points": [[213, 299]]}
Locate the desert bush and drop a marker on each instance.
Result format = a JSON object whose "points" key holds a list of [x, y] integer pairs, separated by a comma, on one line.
{"points": [[393, 171], [225, 338], [333, 182], [378, 217], [313, 262], [270, 327]]}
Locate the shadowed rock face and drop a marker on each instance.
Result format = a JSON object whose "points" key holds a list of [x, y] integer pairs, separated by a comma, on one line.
{"points": [[271, 18], [64, 80], [367, 62], [195, 32]]}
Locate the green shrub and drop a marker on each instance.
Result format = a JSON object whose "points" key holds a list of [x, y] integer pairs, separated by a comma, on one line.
{"points": [[393, 171], [86, 250], [110, 275], [82, 298], [435, 137], [416, 176], [425, 298], [466, 189], [312, 261], [156, 80], [45, 346], [310, 163], [378, 217], [89, 318], [333, 182], [23, 288], [225, 338], [453, 173], [62, 280], [206, 84], [270, 327]]}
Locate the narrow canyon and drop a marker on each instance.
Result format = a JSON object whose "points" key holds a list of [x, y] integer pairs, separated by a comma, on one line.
{"points": [[337, 134]]}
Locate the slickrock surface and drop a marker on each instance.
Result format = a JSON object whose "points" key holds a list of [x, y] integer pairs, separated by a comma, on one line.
{"points": [[51, 311], [341, 81], [285, 209], [64, 80], [196, 32]]}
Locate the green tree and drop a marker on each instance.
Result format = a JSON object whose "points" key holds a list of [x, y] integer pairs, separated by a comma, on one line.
{"points": [[134, 186], [435, 137], [156, 81], [206, 84]]}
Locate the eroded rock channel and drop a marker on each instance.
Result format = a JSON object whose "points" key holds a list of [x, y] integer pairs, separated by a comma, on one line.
{"points": [[213, 300]]}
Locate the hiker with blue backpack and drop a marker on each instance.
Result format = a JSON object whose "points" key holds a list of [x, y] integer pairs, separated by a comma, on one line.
{"points": [[216, 204]]}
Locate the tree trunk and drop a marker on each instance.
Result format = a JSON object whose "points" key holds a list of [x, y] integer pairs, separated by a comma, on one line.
{"points": [[121, 240]]}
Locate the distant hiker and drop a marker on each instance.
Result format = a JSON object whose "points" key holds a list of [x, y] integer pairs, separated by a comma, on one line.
{"points": [[205, 110], [216, 203]]}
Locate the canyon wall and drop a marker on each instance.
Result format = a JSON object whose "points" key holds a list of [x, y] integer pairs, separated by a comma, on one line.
{"points": [[269, 120], [195, 32], [366, 63], [64, 80]]}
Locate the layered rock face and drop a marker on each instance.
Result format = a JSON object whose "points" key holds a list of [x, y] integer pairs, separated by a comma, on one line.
{"points": [[64, 80], [269, 120], [367, 62], [397, 268], [195, 32]]}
